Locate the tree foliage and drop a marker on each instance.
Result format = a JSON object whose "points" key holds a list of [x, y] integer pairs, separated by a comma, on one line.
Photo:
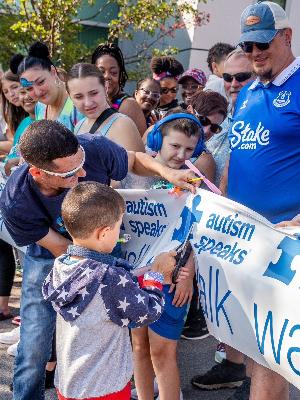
{"points": [[56, 23], [23, 22]]}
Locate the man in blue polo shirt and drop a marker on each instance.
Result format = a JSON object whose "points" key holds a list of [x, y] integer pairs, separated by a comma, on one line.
{"points": [[264, 166], [31, 201]]}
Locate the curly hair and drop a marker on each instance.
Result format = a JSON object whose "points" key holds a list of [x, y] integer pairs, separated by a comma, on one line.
{"points": [[114, 51]]}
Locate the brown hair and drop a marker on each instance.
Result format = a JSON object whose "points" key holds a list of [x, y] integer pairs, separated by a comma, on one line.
{"points": [[91, 205], [84, 70], [12, 114], [208, 102], [183, 125]]}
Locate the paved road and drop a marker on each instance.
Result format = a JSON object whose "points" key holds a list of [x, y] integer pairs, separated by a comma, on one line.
{"points": [[194, 357]]}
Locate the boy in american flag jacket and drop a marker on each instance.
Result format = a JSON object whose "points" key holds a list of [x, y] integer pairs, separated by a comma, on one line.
{"points": [[97, 299]]}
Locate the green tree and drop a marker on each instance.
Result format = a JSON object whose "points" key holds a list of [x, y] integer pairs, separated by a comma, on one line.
{"points": [[157, 19], [56, 23], [23, 21]]}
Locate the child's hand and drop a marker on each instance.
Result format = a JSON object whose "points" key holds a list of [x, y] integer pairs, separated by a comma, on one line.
{"points": [[184, 273], [183, 292], [165, 263]]}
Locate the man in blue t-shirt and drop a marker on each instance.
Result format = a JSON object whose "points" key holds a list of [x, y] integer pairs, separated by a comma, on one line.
{"points": [[264, 166], [30, 204]]}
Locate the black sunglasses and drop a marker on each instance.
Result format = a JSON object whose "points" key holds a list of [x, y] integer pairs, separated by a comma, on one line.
{"points": [[240, 76], [167, 90], [205, 121], [247, 47]]}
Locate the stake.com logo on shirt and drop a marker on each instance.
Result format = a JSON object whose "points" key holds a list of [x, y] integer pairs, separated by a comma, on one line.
{"points": [[244, 137]]}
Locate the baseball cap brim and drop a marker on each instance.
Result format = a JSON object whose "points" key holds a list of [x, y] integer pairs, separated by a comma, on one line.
{"points": [[258, 36], [184, 76]]}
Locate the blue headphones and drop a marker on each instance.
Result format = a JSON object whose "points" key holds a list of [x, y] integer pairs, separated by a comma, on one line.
{"points": [[155, 138]]}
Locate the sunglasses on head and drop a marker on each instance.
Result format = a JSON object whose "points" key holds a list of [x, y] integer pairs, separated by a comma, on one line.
{"points": [[240, 76], [168, 90], [68, 174], [205, 121]]}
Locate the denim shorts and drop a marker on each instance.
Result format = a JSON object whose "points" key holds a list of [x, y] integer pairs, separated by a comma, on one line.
{"points": [[172, 320]]}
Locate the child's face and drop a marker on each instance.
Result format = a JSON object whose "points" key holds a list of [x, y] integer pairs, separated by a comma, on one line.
{"points": [[176, 148]]}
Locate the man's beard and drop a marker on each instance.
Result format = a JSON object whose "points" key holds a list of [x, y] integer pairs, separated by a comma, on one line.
{"points": [[265, 76]]}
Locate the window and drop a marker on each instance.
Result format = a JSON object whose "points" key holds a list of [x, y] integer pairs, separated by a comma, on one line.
{"points": [[282, 3]]}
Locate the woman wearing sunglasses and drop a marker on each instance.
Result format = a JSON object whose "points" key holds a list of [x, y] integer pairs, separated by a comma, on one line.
{"points": [[167, 71], [147, 95], [211, 109]]}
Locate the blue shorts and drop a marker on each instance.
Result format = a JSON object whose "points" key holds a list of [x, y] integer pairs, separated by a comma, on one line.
{"points": [[172, 320]]}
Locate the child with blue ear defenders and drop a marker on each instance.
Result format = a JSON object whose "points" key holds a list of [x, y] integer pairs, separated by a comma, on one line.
{"points": [[175, 138]]}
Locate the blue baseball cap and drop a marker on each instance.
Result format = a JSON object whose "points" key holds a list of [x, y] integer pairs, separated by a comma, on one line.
{"points": [[261, 21]]}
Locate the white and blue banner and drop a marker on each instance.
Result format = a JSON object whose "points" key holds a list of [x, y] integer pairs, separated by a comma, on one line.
{"points": [[248, 272]]}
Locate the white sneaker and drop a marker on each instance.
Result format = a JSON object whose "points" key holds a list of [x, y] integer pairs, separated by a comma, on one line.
{"points": [[13, 349], [134, 395], [10, 337]]}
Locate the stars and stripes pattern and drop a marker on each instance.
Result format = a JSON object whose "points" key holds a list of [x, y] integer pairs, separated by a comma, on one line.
{"points": [[126, 304]]}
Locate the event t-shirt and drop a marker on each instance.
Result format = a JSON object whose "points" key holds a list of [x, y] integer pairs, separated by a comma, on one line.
{"points": [[28, 214], [69, 115], [264, 168]]}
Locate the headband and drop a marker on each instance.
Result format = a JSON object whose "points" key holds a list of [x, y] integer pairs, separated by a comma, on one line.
{"points": [[165, 74]]}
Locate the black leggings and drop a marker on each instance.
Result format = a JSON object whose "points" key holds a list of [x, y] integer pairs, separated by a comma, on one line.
{"points": [[7, 268]]}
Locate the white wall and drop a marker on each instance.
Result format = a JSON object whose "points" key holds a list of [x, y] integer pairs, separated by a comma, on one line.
{"points": [[224, 26]]}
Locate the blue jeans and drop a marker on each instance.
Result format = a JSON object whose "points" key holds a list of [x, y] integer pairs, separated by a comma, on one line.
{"points": [[38, 323]]}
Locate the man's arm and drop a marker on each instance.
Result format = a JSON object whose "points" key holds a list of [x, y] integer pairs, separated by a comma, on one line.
{"points": [[144, 165], [55, 243], [224, 179]]}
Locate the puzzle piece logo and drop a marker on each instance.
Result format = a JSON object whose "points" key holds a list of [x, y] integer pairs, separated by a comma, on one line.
{"points": [[281, 270], [188, 217]]}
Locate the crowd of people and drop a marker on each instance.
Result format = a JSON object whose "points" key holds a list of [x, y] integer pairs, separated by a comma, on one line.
{"points": [[90, 324]]}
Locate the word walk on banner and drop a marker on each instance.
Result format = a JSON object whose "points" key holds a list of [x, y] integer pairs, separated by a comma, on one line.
{"points": [[248, 272]]}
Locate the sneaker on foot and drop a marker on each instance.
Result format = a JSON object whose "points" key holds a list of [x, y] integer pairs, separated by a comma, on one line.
{"points": [[243, 392], [221, 376], [13, 349], [134, 395], [10, 337], [220, 353], [196, 331]]}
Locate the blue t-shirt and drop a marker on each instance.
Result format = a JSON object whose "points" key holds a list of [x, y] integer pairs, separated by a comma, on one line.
{"points": [[14, 151], [264, 168], [28, 214]]}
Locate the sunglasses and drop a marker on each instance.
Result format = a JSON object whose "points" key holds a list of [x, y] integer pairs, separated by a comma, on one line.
{"points": [[247, 47], [167, 90], [68, 174], [149, 93], [240, 76], [205, 121]]}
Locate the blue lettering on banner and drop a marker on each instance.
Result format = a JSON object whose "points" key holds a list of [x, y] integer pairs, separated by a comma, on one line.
{"points": [[188, 218], [231, 253], [231, 226], [135, 258], [216, 305], [278, 348], [292, 350], [153, 229], [145, 207], [261, 344], [281, 271]]}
